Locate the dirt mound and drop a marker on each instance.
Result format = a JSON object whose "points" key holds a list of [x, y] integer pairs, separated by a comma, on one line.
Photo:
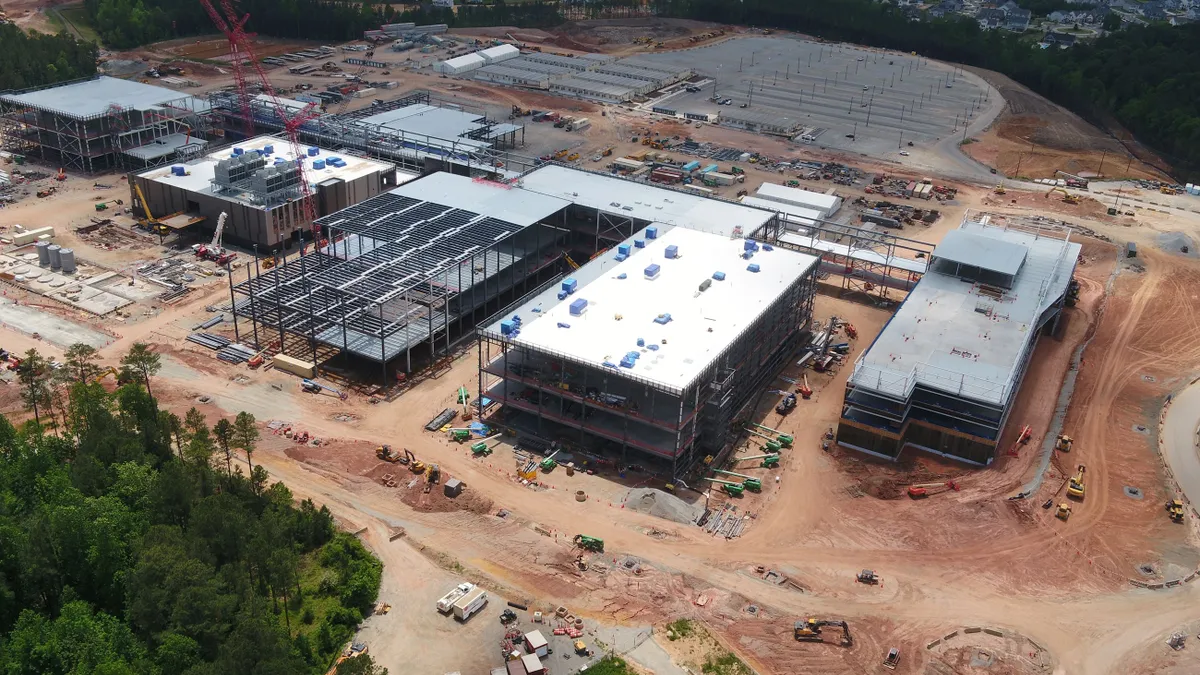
{"points": [[663, 505], [1176, 242]]}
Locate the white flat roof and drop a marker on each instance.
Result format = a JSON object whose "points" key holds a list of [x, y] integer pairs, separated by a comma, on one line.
{"points": [[513, 205], [646, 202], [446, 124], [949, 336], [702, 325], [817, 200], [94, 97], [201, 172], [466, 60], [977, 250], [797, 214]]}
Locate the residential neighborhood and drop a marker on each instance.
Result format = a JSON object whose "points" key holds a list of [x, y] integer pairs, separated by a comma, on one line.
{"points": [[1062, 28]]}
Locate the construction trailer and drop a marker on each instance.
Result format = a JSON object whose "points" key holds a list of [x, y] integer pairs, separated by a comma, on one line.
{"points": [[256, 183], [686, 329], [945, 371], [104, 123]]}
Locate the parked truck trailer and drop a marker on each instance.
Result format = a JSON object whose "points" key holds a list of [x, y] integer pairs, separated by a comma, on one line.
{"points": [[446, 603]]}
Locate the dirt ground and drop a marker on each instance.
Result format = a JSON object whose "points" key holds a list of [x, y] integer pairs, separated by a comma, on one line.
{"points": [[1034, 138], [971, 557]]}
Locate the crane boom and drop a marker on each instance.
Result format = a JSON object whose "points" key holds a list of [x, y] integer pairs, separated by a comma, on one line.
{"points": [[219, 233]]}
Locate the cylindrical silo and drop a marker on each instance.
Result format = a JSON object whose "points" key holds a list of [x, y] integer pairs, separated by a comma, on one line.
{"points": [[43, 253], [55, 256], [67, 257]]}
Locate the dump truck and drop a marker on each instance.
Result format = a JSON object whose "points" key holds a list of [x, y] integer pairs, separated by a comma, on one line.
{"points": [[446, 602], [470, 603]]}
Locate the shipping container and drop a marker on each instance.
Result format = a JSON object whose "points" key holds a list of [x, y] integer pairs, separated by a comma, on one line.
{"points": [[723, 178], [288, 364], [709, 169], [691, 166]]}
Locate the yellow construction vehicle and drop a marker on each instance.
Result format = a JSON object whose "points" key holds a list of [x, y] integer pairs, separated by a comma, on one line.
{"points": [[1064, 442], [1175, 510], [1063, 512], [561, 153], [646, 141], [607, 151], [810, 630], [573, 156], [432, 477], [1067, 196], [1000, 189], [105, 373], [1168, 190], [574, 265], [1075, 484]]}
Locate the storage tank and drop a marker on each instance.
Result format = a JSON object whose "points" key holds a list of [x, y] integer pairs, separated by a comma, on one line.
{"points": [[43, 253], [55, 258], [67, 258]]}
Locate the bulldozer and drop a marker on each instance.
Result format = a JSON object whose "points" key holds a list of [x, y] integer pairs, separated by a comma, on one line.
{"points": [[1063, 512], [589, 543], [1075, 487], [999, 189], [1175, 510], [1063, 443], [810, 630]]}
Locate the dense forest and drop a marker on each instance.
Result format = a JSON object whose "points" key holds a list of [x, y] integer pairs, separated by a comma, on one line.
{"points": [[133, 543], [33, 59], [1143, 78], [128, 23]]}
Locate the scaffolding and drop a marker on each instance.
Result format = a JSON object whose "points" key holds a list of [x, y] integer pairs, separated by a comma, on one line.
{"points": [[478, 152], [125, 137]]}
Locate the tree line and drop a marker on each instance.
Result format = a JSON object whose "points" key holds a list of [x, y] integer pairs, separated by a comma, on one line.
{"points": [[1141, 78], [133, 543], [34, 59], [128, 23]]}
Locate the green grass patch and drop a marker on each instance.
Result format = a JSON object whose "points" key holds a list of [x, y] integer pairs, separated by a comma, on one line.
{"points": [[79, 22], [610, 665], [681, 628], [725, 664]]}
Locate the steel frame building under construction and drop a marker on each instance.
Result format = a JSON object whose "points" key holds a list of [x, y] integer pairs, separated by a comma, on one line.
{"points": [[104, 123], [474, 145], [409, 272], [943, 374]]}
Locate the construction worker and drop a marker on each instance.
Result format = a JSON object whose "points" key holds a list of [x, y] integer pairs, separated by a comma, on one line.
{"points": [[776, 480]]}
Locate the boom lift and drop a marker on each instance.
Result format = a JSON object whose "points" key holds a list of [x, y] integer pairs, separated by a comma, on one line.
{"points": [[314, 387], [749, 482], [1075, 486], [768, 461], [783, 439], [926, 489], [730, 488], [810, 630]]}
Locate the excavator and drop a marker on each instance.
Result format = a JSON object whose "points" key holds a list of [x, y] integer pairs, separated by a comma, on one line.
{"points": [[810, 630], [432, 477], [1063, 443], [921, 490], [1067, 196], [1075, 486], [386, 453], [590, 543]]}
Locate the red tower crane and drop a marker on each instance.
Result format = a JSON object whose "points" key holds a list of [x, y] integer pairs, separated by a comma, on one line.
{"points": [[241, 51]]}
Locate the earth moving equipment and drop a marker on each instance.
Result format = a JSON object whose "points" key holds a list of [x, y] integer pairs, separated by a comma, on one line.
{"points": [[999, 189], [482, 449], [921, 490], [447, 601], [1067, 196], [810, 630], [433, 476], [1063, 512], [893, 659], [507, 616], [460, 435], [768, 461], [787, 405], [386, 453], [749, 482], [1075, 487], [784, 439], [314, 387], [589, 543], [1175, 510], [548, 464], [414, 465], [731, 488], [867, 577], [1063, 443]]}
